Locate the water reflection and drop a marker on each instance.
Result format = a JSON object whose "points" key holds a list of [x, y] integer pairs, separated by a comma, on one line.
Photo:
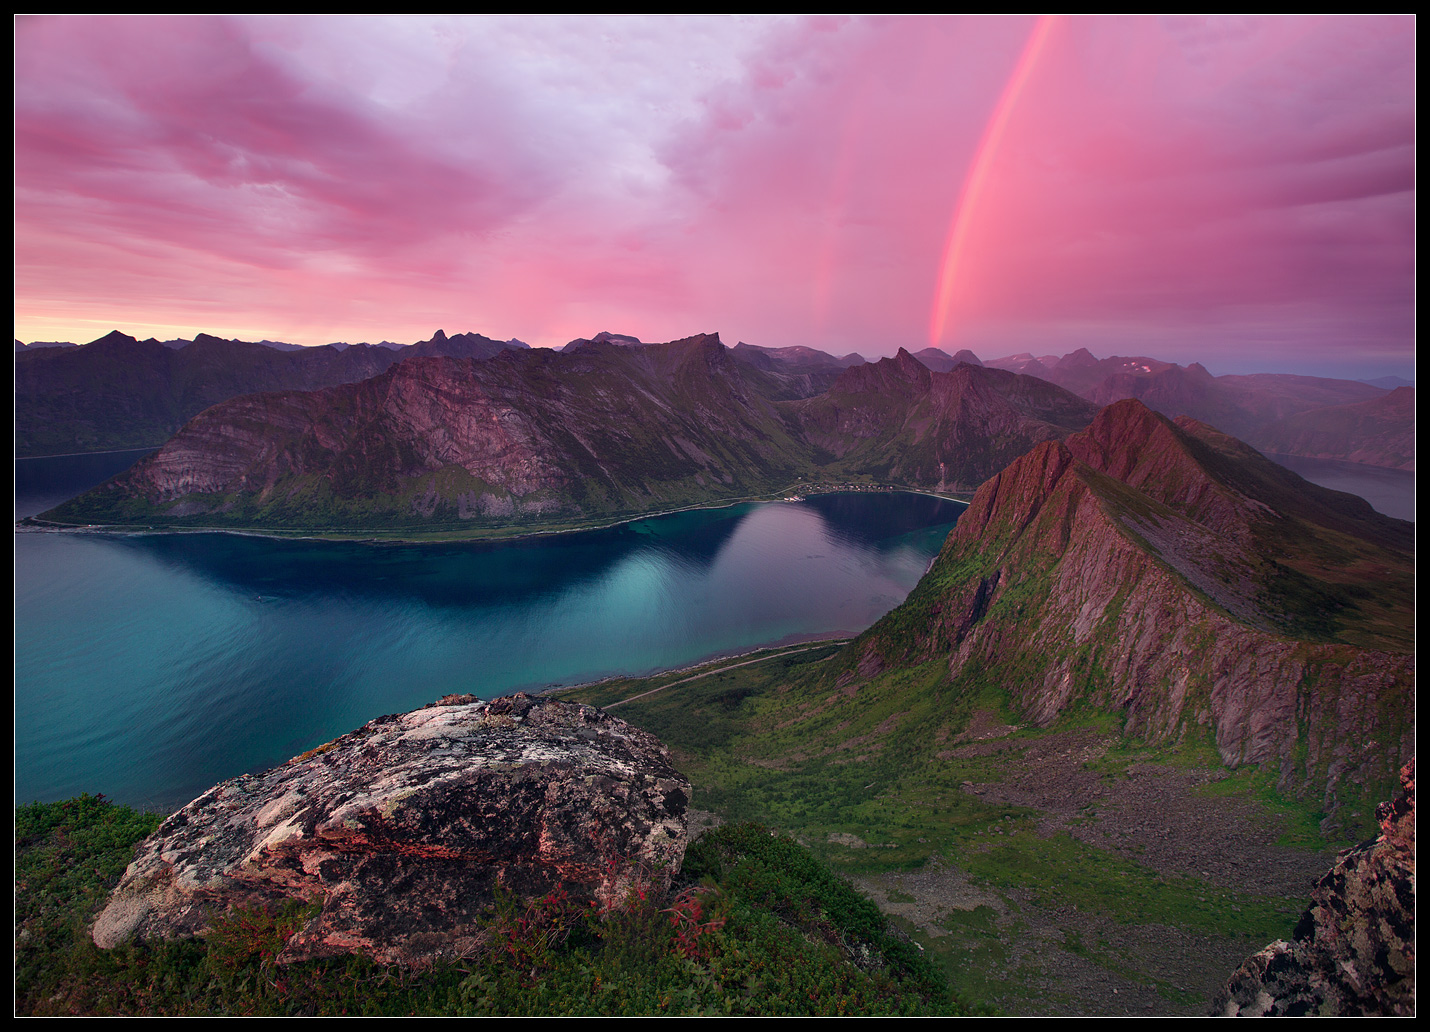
{"points": [[150, 667]]}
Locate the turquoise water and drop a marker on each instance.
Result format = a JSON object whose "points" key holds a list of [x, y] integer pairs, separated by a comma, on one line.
{"points": [[150, 667]]}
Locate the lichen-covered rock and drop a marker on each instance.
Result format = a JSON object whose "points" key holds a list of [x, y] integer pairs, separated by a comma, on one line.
{"points": [[404, 829], [1354, 950]]}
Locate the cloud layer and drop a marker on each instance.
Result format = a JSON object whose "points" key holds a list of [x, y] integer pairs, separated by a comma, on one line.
{"points": [[1239, 191]]}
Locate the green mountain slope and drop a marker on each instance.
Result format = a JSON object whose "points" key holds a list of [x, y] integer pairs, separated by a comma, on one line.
{"points": [[1169, 576]]}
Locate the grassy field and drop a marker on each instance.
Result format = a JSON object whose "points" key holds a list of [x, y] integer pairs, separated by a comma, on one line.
{"points": [[927, 794]]}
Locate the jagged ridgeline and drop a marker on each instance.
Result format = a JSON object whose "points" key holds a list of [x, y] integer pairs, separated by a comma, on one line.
{"points": [[118, 392], [1168, 574], [536, 437]]}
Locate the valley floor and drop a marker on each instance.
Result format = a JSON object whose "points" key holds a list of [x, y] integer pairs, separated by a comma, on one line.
{"points": [[1028, 957], [1066, 871]]}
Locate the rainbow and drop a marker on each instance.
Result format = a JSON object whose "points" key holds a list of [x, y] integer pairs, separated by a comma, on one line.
{"points": [[978, 175]]}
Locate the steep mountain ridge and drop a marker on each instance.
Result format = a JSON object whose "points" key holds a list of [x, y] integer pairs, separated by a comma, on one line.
{"points": [[1128, 571], [443, 440]]}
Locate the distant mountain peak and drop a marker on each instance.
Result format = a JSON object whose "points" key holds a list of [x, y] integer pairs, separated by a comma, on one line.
{"points": [[899, 374], [604, 337], [909, 366], [115, 337], [607, 337], [1080, 357], [941, 361]]}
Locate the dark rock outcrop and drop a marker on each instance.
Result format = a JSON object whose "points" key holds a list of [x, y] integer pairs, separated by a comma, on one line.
{"points": [[1354, 950], [404, 829]]}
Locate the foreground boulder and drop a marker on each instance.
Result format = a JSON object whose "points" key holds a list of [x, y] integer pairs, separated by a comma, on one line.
{"points": [[1354, 951], [405, 829]]}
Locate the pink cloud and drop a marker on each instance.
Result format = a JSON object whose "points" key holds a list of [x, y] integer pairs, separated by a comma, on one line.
{"points": [[1192, 184]]}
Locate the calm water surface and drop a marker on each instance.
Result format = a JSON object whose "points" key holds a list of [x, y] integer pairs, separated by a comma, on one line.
{"points": [[150, 667], [1389, 491]]}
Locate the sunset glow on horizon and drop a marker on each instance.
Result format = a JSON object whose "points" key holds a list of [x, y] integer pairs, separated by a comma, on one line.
{"points": [[1234, 191]]}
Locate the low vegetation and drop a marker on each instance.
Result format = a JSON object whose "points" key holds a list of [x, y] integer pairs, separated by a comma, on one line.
{"points": [[902, 779], [754, 925], [762, 918]]}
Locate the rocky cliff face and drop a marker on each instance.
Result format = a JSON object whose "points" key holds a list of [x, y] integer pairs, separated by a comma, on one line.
{"points": [[1354, 949], [404, 829], [1169, 574]]}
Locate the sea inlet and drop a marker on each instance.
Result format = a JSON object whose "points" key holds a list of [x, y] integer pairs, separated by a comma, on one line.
{"points": [[150, 667]]}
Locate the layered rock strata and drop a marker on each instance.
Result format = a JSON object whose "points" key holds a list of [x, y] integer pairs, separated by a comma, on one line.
{"points": [[1354, 948], [404, 830]]}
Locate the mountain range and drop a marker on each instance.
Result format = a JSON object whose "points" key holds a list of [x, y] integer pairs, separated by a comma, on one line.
{"points": [[608, 429], [118, 392], [1255, 407]]}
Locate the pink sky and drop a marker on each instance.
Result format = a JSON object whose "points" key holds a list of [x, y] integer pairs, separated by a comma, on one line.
{"points": [[1238, 191]]}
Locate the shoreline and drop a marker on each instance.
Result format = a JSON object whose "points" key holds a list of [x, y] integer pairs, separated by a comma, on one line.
{"points": [[148, 450], [788, 642], [34, 525]]}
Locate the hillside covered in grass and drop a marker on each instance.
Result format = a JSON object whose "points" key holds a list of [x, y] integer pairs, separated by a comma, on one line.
{"points": [[1069, 869]]}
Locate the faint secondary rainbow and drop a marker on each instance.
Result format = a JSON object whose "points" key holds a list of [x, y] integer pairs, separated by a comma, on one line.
{"points": [[978, 175]]}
